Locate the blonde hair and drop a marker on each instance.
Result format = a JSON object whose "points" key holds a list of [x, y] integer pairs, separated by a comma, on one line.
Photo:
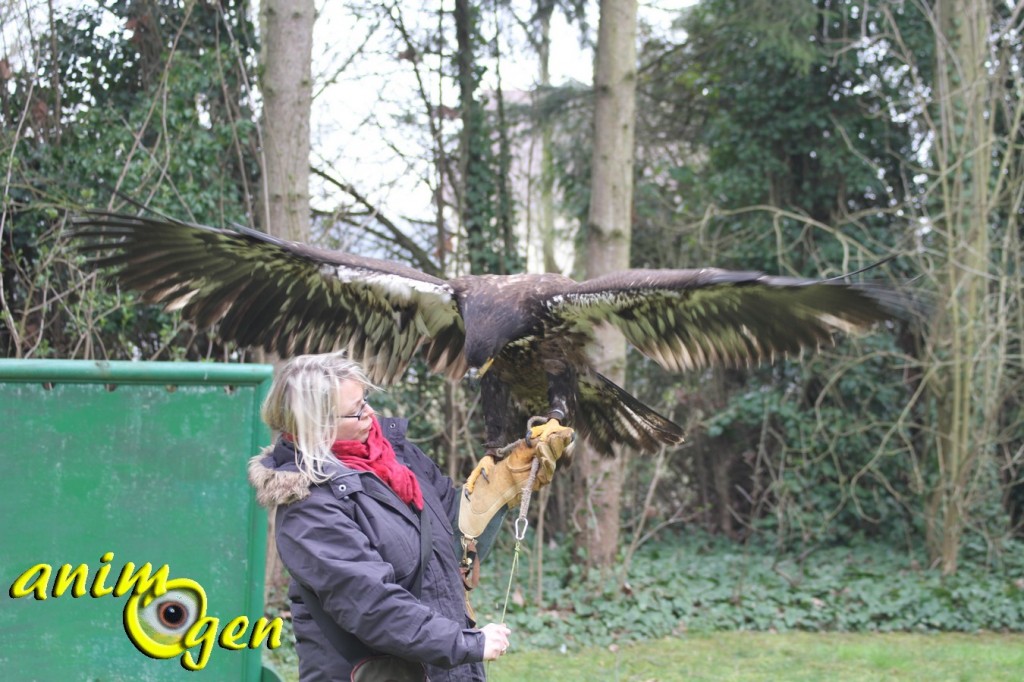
{"points": [[301, 402]]}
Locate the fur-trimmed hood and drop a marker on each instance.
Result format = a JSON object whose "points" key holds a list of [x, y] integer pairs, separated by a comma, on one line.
{"points": [[276, 478]]}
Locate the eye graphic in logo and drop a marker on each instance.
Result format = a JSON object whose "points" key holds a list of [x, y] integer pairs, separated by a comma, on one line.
{"points": [[158, 625]]}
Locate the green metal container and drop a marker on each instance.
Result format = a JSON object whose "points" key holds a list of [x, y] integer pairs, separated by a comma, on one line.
{"points": [[143, 460]]}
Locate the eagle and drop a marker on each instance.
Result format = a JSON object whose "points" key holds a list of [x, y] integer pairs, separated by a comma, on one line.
{"points": [[529, 337]]}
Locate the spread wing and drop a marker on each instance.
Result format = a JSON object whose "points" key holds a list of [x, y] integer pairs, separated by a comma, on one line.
{"points": [[686, 319], [286, 297]]}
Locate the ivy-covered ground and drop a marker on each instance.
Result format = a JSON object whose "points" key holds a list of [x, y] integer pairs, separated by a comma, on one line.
{"points": [[702, 584], [682, 595]]}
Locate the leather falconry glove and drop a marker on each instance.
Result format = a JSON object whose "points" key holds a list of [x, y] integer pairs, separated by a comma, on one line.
{"points": [[494, 484]]}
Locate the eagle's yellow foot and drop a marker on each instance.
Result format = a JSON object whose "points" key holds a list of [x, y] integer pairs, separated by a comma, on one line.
{"points": [[540, 428], [481, 470]]}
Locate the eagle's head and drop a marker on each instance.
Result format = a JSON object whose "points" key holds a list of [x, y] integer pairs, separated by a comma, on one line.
{"points": [[485, 341], [495, 316]]}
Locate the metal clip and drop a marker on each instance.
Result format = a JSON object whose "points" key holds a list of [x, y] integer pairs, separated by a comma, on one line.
{"points": [[521, 525]]}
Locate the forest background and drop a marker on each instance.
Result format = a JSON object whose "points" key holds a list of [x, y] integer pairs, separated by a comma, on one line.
{"points": [[874, 485]]}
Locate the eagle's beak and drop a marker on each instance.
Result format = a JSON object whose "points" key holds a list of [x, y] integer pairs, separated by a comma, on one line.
{"points": [[483, 368]]}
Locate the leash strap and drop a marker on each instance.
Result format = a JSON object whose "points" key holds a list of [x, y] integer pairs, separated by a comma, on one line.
{"points": [[522, 523]]}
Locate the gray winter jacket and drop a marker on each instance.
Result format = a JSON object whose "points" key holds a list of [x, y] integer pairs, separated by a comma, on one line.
{"points": [[355, 545]]}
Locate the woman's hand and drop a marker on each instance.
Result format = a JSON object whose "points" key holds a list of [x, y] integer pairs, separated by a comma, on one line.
{"points": [[495, 640]]}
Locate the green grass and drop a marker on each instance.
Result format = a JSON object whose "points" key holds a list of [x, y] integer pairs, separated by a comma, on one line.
{"points": [[753, 656], [703, 608]]}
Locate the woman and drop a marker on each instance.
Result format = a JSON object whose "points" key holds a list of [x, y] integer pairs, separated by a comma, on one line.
{"points": [[352, 495]]}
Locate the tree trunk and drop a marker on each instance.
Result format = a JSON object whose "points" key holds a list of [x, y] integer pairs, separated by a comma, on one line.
{"points": [[546, 227], [608, 239], [475, 209], [545, 10], [287, 87], [969, 347]]}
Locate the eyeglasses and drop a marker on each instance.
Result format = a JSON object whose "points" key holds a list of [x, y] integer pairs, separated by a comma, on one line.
{"points": [[358, 415]]}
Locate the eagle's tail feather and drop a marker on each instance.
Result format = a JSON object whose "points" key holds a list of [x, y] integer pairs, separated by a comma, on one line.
{"points": [[610, 415]]}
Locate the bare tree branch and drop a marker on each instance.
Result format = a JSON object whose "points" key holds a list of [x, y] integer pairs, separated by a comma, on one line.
{"points": [[419, 256]]}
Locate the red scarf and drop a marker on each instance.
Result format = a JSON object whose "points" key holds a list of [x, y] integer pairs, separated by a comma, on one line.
{"points": [[377, 455]]}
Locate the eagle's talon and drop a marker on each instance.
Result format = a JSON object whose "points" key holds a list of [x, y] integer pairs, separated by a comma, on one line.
{"points": [[540, 428], [479, 470], [502, 453], [535, 422]]}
